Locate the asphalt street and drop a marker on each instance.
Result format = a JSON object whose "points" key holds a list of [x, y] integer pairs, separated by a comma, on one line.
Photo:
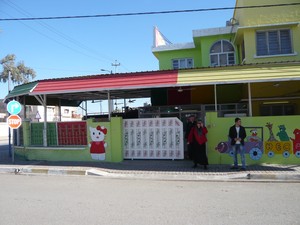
{"points": [[92, 200]]}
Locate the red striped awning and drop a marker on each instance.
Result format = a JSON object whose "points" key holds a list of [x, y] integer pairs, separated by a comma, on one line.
{"points": [[107, 82]]}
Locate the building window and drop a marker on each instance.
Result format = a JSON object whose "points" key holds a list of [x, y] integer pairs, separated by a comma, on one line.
{"points": [[66, 111], [277, 110], [185, 63], [274, 42], [222, 54]]}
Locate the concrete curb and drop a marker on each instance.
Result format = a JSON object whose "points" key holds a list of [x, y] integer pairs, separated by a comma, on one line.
{"points": [[203, 177], [152, 175], [45, 171]]}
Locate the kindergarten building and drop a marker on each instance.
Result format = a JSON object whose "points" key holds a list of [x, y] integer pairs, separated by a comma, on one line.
{"points": [[249, 68]]}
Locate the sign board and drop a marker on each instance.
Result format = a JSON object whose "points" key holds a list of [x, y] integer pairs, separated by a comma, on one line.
{"points": [[14, 121], [37, 115], [14, 107]]}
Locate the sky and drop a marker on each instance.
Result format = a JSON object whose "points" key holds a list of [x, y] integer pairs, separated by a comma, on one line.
{"points": [[78, 47]]}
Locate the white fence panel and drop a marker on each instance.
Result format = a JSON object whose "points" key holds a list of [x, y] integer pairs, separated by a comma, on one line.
{"points": [[154, 138]]}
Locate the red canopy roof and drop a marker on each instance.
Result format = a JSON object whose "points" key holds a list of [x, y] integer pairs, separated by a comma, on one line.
{"points": [[107, 82]]}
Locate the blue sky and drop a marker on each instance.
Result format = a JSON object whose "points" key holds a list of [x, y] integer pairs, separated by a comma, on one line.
{"points": [[76, 47]]}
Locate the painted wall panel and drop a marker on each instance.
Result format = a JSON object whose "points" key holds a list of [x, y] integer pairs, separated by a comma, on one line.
{"points": [[278, 139], [157, 138]]}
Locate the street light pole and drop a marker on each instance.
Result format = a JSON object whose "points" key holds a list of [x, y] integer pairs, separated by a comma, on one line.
{"points": [[107, 70]]}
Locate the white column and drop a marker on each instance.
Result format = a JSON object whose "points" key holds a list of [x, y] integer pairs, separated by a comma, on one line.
{"points": [[250, 100]]}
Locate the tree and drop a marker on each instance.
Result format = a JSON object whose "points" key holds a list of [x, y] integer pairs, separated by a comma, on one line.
{"points": [[19, 73]]}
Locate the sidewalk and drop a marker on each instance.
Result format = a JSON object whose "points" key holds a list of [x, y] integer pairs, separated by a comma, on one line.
{"points": [[154, 169]]}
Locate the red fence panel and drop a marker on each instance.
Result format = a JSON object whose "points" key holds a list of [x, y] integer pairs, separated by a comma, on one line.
{"points": [[72, 133]]}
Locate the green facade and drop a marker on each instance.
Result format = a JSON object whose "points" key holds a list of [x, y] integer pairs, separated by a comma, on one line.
{"points": [[242, 34]]}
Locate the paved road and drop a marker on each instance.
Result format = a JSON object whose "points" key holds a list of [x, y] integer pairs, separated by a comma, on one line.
{"points": [[30, 200]]}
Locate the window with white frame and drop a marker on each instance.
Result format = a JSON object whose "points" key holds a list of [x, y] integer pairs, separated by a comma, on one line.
{"points": [[273, 42], [222, 53], [184, 63]]}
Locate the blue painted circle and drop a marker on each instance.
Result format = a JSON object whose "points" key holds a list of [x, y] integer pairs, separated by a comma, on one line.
{"points": [[255, 153], [270, 154], [286, 154], [14, 107]]}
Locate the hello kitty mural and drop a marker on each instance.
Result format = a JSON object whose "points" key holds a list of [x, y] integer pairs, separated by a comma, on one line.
{"points": [[97, 144]]}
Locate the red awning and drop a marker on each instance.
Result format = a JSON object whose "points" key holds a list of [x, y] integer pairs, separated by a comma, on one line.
{"points": [[107, 82]]}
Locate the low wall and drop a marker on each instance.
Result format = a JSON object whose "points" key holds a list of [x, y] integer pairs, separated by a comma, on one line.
{"points": [[270, 139], [106, 136]]}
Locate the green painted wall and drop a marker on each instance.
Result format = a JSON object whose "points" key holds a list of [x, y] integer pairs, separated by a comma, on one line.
{"points": [[218, 132], [200, 53], [207, 42], [113, 138], [248, 19], [165, 57]]}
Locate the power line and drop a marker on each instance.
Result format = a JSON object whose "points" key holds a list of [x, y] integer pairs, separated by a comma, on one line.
{"points": [[148, 13], [57, 32]]}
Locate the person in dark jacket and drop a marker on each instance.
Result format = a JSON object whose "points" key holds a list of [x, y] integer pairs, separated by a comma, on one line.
{"points": [[237, 135], [190, 124], [197, 139]]}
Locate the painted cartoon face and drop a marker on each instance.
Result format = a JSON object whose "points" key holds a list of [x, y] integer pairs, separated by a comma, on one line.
{"points": [[96, 135], [281, 127], [254, 132]]}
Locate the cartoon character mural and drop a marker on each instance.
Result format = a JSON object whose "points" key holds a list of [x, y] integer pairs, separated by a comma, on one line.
{"points": [[253, 137], [296, 142], [98, 145], [273, 146], [283, 136], [255, 145]]}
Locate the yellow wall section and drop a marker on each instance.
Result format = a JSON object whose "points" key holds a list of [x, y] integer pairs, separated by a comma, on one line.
{"points": [[273, 15], [218, 132]]}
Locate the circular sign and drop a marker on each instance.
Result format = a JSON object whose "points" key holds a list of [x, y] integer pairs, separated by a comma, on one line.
{"points": [[14, 107], [14, 121]]}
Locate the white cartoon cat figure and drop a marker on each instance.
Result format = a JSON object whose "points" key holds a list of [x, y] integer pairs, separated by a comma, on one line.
{"points": [[98, 145]]}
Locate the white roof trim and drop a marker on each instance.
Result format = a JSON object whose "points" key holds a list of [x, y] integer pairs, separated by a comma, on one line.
{"points": [[214, 31], [269, 25], [180, 46]]}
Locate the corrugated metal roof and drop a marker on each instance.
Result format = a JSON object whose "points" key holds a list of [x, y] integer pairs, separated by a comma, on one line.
{"points": [[107, 82], [139, 84], [240, 74], [23, 89]]}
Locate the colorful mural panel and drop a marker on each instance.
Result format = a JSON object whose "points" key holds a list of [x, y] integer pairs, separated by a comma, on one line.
{"points": [[274, 140]]}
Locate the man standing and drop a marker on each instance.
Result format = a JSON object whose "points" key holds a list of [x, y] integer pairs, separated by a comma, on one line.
{"points": [[237, 134]]}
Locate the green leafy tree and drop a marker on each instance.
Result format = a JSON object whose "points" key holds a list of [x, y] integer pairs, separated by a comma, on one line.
{"points": [[19, 73]]}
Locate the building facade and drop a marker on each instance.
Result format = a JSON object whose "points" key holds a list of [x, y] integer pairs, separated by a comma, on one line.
{"points": [[249, 68], [257, 35]]}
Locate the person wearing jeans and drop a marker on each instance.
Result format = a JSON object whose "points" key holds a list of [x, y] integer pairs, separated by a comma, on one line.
{"points": [[237, 135]]}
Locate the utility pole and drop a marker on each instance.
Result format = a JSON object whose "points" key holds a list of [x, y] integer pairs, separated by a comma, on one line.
{"points": [[116, 65], [9, 130]]}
